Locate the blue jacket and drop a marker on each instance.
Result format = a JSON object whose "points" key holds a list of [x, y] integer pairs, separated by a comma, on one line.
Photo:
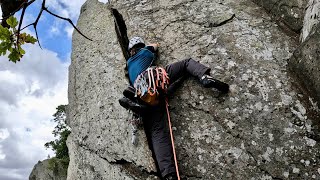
{"points": [[140, 62]]}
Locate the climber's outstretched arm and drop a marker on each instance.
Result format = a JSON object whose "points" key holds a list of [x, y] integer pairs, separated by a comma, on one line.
{"points": [[155, 46]]}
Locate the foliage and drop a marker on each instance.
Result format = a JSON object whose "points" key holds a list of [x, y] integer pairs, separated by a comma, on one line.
{"points": [[58, 166], [61, 131], [10, 41]]}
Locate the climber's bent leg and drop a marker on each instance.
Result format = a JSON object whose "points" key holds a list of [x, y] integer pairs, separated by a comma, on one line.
{"points": [[186, 67], [194, 68]]}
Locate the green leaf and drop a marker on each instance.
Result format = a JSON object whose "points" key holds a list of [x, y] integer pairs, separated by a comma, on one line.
{"points": [[5, 34], [21, 51], [12, 21], [14, 56], [30, 39], [2, 50], [4, 47], [9, 41]]}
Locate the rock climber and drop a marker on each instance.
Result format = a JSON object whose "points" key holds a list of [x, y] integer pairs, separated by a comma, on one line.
{"points": [[147, 98]]}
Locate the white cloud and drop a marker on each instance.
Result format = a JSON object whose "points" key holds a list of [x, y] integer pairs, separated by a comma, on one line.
{"points": [[66, 8], [12, 174], [54, 30], [2, 155], [69, 30], [33, 88], [4, 134], [8, 76]]}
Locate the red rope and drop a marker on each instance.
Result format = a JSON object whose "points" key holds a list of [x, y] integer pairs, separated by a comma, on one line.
{"points": [[172, 141]]}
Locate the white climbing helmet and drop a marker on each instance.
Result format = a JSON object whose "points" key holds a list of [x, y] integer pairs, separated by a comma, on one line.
{"points": [[134, 41]]}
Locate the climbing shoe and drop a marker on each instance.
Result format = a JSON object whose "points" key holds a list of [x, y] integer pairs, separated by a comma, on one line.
{"points": [[131, 105], [171, 176], [209, 82], [129, 92]]}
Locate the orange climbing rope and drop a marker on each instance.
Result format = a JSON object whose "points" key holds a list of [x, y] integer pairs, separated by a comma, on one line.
{"points": [[172, 141]]}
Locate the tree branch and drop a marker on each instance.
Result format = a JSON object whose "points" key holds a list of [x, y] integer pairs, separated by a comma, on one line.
{"points": [[66, 19], [34, 24], [20, 23], [44, 8], [16, 10], [10, 7]]}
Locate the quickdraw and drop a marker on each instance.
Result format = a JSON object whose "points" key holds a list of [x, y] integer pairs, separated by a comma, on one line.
{"points": [[151, 83]]}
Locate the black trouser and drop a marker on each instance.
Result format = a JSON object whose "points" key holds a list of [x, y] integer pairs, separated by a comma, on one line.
{"points": [[156, 120]]}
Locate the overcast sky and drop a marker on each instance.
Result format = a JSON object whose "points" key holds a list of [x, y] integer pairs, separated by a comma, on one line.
{"points": [[30, 90]]}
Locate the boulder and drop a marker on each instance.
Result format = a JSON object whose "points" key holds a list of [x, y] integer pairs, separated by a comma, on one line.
{"points": [[305, 64], [265, 129], [288, 13], [49, 169], [311, 19]]}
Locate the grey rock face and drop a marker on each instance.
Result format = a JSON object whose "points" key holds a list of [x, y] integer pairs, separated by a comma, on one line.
{"points": [[87, 164], [96, 80], [44, 171], [311, 18], [262, 130], [305, 62], [288, 12]]}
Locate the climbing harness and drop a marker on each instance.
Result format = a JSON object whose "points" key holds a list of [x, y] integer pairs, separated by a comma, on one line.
{"points": [[150, 84], [172, 141]]}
